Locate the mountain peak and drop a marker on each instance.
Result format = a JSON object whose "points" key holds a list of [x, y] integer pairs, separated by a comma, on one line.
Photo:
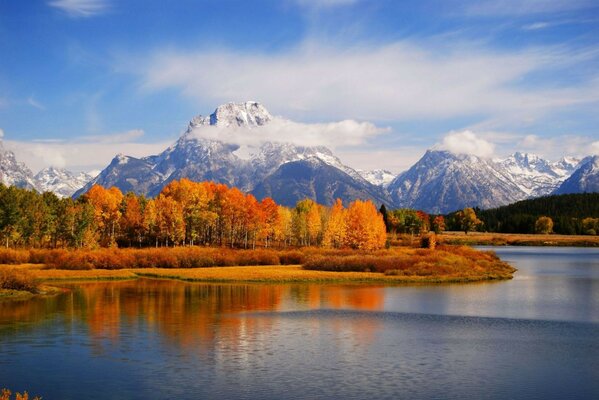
{"points": [[245, 114]]}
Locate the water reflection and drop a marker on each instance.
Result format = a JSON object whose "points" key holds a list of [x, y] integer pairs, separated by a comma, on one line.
{"points": [[189, 315], [533, 337]]}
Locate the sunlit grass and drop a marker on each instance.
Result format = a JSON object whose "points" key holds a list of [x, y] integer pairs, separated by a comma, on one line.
{"points": [[517, 239]]}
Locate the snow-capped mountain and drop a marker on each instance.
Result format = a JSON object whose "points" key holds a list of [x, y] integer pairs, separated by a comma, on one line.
{"points": [[313, 178], [442, 182], [378, 177], [536, 176], [584, 180], [13, 172], [199, 155], [60, 181]]}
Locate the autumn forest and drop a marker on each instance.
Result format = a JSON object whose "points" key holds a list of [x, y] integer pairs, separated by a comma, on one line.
{"points": [[184, 213]]}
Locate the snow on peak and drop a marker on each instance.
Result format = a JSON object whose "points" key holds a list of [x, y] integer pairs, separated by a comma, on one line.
{"points": [[246, 114], [378, 177], [60, 181]]}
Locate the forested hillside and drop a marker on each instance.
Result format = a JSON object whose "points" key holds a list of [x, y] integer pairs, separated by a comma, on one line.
{"points": [[570, 213]]}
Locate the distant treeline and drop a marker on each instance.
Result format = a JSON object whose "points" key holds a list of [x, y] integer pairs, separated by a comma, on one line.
{"points": [[572, 214]]}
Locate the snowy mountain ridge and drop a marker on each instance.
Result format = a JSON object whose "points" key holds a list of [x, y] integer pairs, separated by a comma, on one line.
{"points": [[60, 181], [440, 181]]}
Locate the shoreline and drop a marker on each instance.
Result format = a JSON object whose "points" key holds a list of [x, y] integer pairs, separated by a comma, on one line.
{"points": [[51, 279], [517, 239]]}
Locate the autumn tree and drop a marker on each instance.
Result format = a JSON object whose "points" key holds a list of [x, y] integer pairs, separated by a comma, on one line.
{"points": [[467, 220], [423, 221], [107, 211], [335, 230], [270, 219], [438, 224], [365, 226], [283, 231], [132, 218], [169, 219], [590, 226], [544, 225]]}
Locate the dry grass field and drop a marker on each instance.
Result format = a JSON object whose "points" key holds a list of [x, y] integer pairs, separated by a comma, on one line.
{"points": [[517, 239]]}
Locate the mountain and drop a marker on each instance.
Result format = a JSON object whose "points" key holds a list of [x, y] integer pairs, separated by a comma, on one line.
{"points": [[441, 182], [536, 176], [13, 172], [199, 155], [128, 174], [315, 179], [584, 180], [228, 146], [60, 181], [378, 177]]}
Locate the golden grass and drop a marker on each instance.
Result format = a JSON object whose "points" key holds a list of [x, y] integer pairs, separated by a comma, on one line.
{"points": [[296, 274], [393, 266], [93, 274], [517, 239], [257, 274]]}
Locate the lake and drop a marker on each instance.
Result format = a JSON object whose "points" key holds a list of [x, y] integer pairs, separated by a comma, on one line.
{"points": [[534, 337]]}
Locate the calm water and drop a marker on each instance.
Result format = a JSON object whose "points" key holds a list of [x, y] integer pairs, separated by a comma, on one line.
{"points": [[536, 336]]}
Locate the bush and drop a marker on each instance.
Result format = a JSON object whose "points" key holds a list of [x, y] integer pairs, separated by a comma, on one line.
{"points": [[446, 260], [14, 279], [292, 257], [11, 256], [428, 241]]}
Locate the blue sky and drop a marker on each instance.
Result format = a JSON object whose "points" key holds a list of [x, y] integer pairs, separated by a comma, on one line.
{"points": [[81, 80]]}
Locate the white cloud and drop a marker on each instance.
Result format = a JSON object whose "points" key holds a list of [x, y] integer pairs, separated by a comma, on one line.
{"points": [[394, 160], [333, 134], [399, 81], [81, 154], [81, 8], [536, 26], [34, 103], [595, 148], [120, 137], [467, 142]]}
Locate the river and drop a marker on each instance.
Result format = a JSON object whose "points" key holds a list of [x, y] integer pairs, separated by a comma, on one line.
{"points": [[534, 337]]}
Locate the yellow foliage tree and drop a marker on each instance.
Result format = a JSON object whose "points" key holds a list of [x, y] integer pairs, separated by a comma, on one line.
{"points": [[107, 205], [335, 231], [365, 226], [544, 225]]}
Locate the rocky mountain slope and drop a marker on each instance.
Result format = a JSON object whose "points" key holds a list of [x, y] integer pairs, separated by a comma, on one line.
{"points": [[198, 156], [13, 172], [60, 181], [536, 176], [584, 180], [441, 182], [207, 150]]}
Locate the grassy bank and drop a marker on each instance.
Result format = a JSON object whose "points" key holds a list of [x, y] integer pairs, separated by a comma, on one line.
{"points": [[255, 274], [396, 265], [19, 282], [517, 239]]}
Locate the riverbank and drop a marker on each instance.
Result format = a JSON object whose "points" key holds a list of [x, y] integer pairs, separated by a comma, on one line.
{"points": [[446, 264], [253, 274], [516, 239]]}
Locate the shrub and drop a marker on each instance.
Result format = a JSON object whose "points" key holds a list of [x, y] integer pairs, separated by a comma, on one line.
{"points": [[11, 256], [14, 279], [292, 257], [428, 241]]}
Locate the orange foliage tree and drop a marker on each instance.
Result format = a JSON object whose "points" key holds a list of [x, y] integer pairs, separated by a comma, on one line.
{"points": [[365, 226]]}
